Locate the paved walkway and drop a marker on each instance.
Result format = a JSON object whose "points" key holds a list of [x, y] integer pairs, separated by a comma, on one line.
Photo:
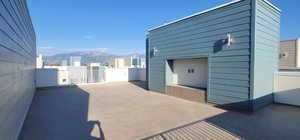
{"points": [[125, 111]]}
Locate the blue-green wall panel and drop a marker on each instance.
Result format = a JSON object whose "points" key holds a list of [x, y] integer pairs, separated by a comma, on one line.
{"points": [[232, 75], [265, 51], [198, 37]]}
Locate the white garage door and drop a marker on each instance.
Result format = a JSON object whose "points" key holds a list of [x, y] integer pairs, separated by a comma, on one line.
{"points": [[191, 72]]}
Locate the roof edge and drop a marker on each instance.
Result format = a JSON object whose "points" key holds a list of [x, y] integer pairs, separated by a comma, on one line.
{"points": [[208, 10], [272, 5], [295, 39]]}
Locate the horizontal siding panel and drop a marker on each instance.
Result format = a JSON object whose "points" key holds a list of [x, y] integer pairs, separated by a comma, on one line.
{"points": [[230, 70], [230, 76], [241, 58], [227, 87], [233, 53], [269, 17], [209, 37], [209, 40], [267, 9], [264, 48], [227, 100], [17, 71], [159, 81], [267, 35], [204, 31], [268, 24], [241, 42], [266, 29], [187, 51], [6, 85], [4, 25], [267, 42], [8, 69], [157, 72], [156, 67], [205, 17], [194, 56], [194, 29], [8, 55], [230, 64], [231, 94], [200, 37], [157, 63], [16, 19], [11, 5], [243, 83], [6, 40]]}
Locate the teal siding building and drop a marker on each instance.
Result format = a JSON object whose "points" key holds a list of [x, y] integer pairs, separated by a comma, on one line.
{"points": [[240, 41]]}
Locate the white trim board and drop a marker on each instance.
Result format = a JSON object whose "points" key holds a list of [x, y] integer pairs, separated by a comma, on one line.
{"points": [[298, 53]]}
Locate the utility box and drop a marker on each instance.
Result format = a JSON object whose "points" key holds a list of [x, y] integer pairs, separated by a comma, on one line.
{"points": [[240, 41]]}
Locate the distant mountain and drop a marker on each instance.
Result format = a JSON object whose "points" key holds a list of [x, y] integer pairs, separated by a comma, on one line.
{"points": [[88, 56]]}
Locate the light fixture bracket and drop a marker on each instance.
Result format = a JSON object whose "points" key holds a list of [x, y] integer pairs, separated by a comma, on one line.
{"points": [[230, 40]]}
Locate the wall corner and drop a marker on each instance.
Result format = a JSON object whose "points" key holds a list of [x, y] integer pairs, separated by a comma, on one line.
{"points": [[147, 59], [252, 49]]}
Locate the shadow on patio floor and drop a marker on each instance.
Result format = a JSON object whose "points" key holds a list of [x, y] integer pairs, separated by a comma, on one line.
{"points": [[141, 84], [63, 117], [195, 131], [274, 122]]}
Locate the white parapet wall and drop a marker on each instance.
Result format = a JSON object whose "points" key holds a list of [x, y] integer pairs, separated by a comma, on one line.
{"points": [[65, 75], [137, 74], [125, 74], [114, 75], [49, 77], [287, 87]]}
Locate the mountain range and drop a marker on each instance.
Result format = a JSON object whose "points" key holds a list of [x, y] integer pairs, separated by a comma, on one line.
{"points": [[88, 56]]}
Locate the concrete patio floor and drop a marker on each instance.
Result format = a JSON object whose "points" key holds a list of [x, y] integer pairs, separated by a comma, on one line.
{"points": [[126, 111]]}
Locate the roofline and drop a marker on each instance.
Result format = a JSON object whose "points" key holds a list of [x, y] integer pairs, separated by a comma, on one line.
{"points": [[290, 40], [272, 5], [208, 10]]}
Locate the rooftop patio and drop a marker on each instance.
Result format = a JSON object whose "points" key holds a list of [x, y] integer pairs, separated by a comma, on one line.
{"points": [[126, 111]]}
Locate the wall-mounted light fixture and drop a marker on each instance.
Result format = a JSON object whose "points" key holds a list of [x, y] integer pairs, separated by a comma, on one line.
{"points": [[154, 51], [230, 39]]}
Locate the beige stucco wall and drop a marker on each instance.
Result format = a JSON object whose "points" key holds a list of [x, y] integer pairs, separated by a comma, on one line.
{"points": [[288, 47]]}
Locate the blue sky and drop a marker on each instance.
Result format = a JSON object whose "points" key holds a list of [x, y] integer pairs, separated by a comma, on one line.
{"points": [[119, 26]]}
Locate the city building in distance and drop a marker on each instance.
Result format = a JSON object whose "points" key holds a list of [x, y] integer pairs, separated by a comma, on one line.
{"points": [[75, 61], [128, 62], [64, 63], [39, 61]]}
